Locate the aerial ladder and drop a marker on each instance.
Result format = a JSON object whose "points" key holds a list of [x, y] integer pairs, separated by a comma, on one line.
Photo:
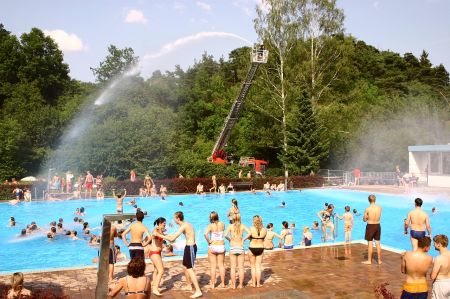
{"points": [[259, 55]]}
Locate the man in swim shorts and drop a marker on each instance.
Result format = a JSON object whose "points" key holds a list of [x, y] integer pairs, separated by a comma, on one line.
{"points": [[190, 250], [418, 220], [441, 269], [415, 265], [137, 243], [88, 182], [372, 216]]}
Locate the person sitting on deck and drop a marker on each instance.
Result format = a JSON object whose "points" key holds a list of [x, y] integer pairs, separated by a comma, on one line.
{"points": [[17, 290], [222, 189], [136, 285], [199, 189], [230, 187]]}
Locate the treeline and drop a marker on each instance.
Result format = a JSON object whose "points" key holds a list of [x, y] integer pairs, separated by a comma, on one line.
{"points": [[377, 104]]}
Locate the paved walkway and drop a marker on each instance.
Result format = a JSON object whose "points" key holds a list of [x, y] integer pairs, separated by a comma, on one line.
{"points": [[320, 272], [389, 189]]}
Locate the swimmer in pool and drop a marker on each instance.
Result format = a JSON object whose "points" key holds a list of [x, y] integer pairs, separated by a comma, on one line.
{"points": [[315, 225], [119, 200], [180, 204], [355, 212], [12, 221], [283, 204]]}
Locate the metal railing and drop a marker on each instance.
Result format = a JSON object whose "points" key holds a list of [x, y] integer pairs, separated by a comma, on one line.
{"points": [[101, 291], [347, 178]]}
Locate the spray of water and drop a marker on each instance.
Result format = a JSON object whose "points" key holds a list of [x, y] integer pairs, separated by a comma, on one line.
{"points": [[105, 97], [81, 124]]}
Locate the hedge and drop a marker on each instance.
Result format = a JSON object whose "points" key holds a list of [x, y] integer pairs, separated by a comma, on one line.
{"points": [[190, 185], [175, 185]]}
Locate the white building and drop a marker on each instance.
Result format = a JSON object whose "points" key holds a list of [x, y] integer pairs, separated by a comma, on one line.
{"points": [[431, 163]]}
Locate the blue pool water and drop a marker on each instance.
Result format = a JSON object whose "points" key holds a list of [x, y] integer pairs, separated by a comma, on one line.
{"points": [[37, 252]]}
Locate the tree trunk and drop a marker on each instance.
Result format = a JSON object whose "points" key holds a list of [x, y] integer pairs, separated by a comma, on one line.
{"points": [[283, 110]]}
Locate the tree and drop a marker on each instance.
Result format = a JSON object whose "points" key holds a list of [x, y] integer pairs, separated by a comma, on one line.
{"points": [[307, 143], [278, 27], [116, 63], [321, 25], [43, 63]]}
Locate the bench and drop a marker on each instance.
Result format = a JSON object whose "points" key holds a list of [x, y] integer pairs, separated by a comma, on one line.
{"points": [[242, 184]]}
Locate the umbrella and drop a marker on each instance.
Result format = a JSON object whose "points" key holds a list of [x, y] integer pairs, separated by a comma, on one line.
{"points": [[29, 179]]}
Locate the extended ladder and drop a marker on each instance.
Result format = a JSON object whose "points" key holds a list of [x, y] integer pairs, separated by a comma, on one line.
{"points": [[258, 55]]}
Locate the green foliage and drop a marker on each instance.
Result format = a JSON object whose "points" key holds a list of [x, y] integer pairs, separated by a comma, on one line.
{"points": [[372, 104], [115, 64], [307, 143]]}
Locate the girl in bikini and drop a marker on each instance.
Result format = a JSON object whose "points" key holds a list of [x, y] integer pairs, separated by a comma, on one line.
{"points": [[256, 249], [216, 248], [234, 234], [156, 247]]}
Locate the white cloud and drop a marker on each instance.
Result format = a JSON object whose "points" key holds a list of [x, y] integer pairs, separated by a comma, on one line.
{"points": [[376, 4], [67, 42], [180, 7], [135, 16], [203, 5], [248, 6]]}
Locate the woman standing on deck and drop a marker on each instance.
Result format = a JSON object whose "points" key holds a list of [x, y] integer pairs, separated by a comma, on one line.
{"points": [[216, 248], [156, 247], [237, 253], [234, 210], [286, 236], [256, 249]]}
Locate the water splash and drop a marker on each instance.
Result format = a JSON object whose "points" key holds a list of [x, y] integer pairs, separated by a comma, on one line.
{"points": [[106, 95], [81, 124]]}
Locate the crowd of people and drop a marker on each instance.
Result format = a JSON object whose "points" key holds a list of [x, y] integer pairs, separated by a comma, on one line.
{"points": [[155, 243]]}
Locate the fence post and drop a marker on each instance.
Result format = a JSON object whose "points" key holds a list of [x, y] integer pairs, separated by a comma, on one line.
{"points": [[101, 291]]}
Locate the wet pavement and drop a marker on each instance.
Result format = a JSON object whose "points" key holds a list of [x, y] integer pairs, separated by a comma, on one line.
{"points": [[320, 272]]}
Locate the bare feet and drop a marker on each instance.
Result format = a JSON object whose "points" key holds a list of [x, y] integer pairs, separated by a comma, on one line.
{"points": [[188, 288], [196, 295], [222, 285], [240, 286], [367, 263], [156, 293], [212, 285], [380, 262]]}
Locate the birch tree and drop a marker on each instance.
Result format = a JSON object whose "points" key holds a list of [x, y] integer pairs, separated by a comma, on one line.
{"points": [[277, 26], [321, 26]]}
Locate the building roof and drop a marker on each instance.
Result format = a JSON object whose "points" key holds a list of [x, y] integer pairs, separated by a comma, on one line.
{"points": [[429, 148]]}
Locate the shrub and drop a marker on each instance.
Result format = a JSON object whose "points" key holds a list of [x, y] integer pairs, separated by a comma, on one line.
{"points": [[187, 185]]}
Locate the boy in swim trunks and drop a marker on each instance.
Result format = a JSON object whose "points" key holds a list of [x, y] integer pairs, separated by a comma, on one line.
{"points": [[441, 269], [372, 216], [415, 265], [88, 182], [137, 243], [418, 220], [190, 250]]}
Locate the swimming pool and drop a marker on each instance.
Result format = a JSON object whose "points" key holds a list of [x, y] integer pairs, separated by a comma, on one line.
{"points": [[37, 252]]}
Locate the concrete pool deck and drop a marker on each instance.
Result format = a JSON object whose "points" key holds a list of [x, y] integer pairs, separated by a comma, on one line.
{"points": [[321, 272], [389, 189]]}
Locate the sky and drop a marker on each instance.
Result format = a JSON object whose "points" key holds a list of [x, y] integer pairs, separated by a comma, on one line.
{"points": [[157, 29]]}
